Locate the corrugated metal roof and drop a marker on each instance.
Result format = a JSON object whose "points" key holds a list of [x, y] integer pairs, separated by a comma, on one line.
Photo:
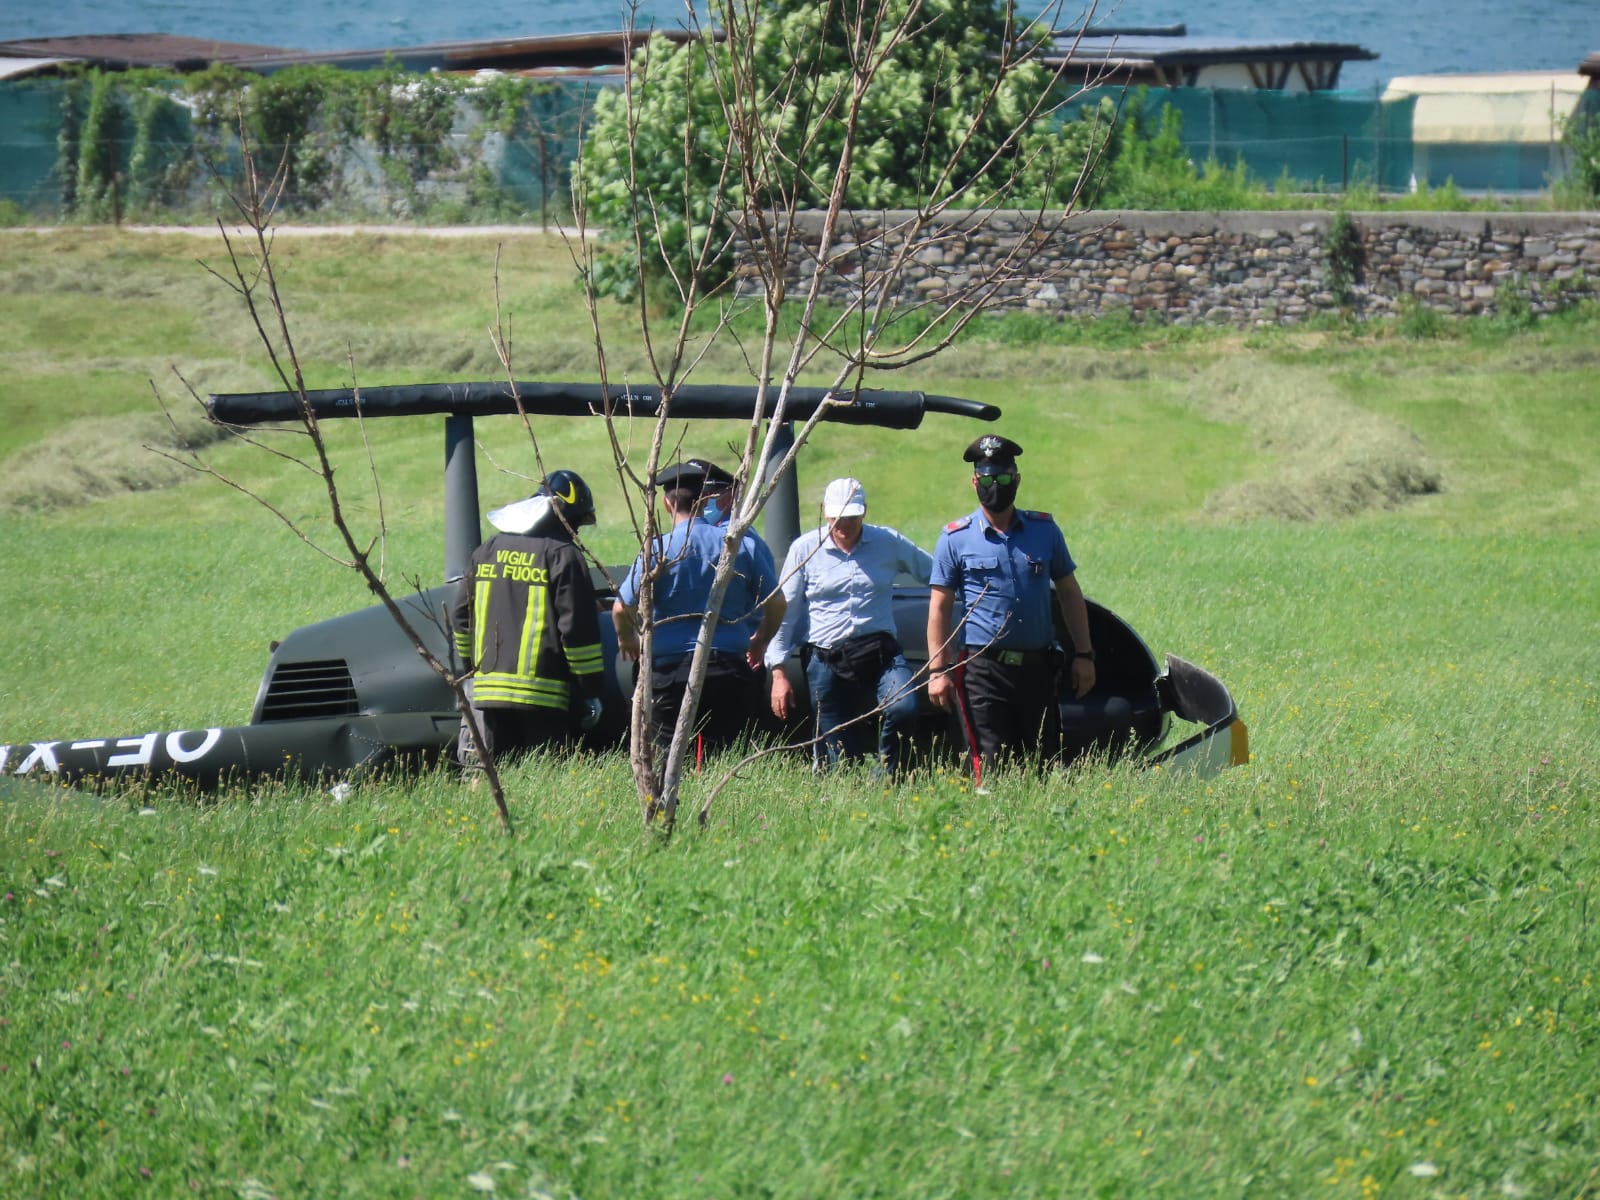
{"points": [[1134, 49], [572, 52], [1166, 59], [19, 68], [1187, 50], [124, 50]]}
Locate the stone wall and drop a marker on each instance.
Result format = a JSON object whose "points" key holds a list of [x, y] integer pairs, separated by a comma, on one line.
{"points": [[1235, 268]]}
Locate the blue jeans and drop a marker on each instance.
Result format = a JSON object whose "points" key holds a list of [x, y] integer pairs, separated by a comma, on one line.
{"points": [[835, 702]]}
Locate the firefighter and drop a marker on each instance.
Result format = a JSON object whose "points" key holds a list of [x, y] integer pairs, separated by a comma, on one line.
{"points": [[526, 624]]}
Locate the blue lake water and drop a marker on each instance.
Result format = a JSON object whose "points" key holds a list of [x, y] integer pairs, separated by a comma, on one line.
{"points": [[1411, 37]]}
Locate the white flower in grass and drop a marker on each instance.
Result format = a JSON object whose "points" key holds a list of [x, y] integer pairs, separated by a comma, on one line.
{"points": [[482, 1181], [205, 870], [1423, 1169], [1089, 956]]}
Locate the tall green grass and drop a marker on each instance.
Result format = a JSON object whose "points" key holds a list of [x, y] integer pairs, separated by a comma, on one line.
{"points": [[1360, 966], [1324, 976]]}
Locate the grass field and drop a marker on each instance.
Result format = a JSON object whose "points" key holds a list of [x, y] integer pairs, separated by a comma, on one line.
{"points": [[1362, 965]]}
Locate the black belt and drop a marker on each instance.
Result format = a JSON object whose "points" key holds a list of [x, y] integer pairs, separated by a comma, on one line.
{"points": [[1014, 658]]}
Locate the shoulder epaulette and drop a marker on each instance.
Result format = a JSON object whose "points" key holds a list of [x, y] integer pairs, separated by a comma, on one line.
{"points": [[958, 523], [1035, 515]]}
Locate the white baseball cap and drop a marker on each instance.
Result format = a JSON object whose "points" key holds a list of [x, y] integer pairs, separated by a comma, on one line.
{"points": [[844, 498]]}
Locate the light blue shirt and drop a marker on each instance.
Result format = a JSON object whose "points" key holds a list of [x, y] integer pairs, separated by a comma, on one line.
{"points": [[835, 594], [690, 553], [1003, 580], [718, 520]]}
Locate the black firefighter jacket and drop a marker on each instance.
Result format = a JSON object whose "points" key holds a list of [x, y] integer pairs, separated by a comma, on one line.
{"points": [[526, 622]]}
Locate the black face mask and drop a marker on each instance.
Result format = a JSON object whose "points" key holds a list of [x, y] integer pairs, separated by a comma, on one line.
{"points": [[998, 497]]}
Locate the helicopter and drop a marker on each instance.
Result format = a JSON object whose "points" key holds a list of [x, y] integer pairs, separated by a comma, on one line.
{"points": [[350, 696]]}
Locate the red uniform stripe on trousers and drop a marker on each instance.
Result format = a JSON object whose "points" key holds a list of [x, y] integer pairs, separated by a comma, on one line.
{"points": [[966, 720]]}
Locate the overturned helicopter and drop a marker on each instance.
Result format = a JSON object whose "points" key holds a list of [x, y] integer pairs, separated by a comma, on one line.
{"points": [[351, 695]]}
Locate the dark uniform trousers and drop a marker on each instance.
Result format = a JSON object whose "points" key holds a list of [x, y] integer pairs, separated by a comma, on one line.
{"points": [[514, 731], [1010, 710], [730, 702]]}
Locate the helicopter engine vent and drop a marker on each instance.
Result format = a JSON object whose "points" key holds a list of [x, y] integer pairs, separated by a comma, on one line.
{"points": [[302, 690]]}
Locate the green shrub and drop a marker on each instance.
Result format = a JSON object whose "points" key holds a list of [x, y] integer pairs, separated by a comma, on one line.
{"points": [[1511, 307], [98, 167], [669, 169], [1419, 321], [1580, 137], [140, 141], [1346, 257]]}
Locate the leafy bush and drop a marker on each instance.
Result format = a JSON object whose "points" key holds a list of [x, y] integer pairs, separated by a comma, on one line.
{"points": [[670, 171], [1580, 136], [1345, 257], [1137, 159], [1421, 322], [141, 140], [307, 118], [1511, 307]]}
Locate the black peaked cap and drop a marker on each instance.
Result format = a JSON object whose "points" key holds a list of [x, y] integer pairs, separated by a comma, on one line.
{"points": [[693, 474], [992, 448]]}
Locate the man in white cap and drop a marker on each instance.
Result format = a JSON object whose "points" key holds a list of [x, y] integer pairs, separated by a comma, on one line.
{"points": [[839, 583]]}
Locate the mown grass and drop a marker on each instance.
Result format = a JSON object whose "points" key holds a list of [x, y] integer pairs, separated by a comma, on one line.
{"points": [[1360, 966]]}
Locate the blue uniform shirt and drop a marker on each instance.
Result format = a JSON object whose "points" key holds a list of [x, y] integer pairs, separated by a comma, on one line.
{"points": [[691, 551], [835, 595], [718, 519], [1003, 581]]}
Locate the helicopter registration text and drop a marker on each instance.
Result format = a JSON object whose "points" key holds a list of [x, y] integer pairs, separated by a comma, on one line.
{"points": [[181, 746]]}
